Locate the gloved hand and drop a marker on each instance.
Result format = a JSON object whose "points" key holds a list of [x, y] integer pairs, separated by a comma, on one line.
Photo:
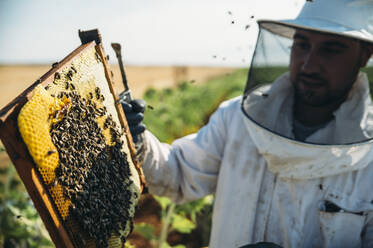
{"points": [[134, 112], [262, 245]]}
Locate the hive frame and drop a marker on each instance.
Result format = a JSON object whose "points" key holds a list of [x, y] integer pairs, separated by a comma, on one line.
{"points": [[22, 160]]}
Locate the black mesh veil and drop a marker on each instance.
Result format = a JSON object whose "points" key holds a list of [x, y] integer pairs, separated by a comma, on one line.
{"points": [[270, 59], [269, 97]]}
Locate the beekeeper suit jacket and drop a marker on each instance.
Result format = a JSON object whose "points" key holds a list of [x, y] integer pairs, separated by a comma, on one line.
{"points": [[276, 190]]}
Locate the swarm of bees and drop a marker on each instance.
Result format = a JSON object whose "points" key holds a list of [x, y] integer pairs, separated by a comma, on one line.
{"points": [[93, 174]]}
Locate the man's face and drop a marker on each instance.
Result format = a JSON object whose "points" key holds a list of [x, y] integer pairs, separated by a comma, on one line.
{"points": [[323, 67]]}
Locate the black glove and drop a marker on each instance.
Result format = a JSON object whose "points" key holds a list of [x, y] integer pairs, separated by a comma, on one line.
{"points": [[134, 111], [262, 245]]}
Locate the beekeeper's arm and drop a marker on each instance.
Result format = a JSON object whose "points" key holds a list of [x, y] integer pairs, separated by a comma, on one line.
{"points": [[187, 169]]}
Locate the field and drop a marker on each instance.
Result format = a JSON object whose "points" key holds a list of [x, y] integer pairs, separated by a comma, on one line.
{"points": [[14, 79]]}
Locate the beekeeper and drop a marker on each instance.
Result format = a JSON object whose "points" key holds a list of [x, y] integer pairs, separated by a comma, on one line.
{"points": [[291, 161]]}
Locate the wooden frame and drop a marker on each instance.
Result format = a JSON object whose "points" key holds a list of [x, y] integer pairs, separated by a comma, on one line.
{"points": [[23, 161]]}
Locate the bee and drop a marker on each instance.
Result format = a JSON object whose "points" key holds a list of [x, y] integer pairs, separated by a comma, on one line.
{"points": [[67, 85], [73, 68], [106, 124], [90, 95], [69, 75], [50, 152], [57, 76], [97, 90], [55, 115], [72, 86], [47, 87], [150, 107], [102, 98]]}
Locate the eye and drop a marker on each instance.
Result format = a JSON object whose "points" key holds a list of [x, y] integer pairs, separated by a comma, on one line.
{"points": [[328, 50], [301, 45]]}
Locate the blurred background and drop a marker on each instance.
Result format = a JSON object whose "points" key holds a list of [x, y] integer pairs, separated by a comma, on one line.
{"points": [[180, 56]]}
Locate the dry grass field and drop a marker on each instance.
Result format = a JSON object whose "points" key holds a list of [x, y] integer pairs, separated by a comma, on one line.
{"points": [[15, 78]]}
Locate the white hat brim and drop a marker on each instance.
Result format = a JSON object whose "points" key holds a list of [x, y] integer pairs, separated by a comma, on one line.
{"points": [[287, 28]]}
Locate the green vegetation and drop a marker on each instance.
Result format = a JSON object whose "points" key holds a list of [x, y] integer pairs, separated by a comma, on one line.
{"points": [[182, 110], [20, 224]]}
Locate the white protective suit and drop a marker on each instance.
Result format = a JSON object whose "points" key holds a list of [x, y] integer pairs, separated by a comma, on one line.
{"points": [[270, 188]]}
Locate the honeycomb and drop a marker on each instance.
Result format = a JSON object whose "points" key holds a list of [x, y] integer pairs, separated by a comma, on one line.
{"points": [[34, 124], [68, 152]]}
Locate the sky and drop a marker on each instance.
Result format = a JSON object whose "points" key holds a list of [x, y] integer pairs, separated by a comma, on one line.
{"points": [[151, 32]]}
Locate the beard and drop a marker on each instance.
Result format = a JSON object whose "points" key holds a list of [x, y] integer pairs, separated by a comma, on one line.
{"points": [[317, 93]]}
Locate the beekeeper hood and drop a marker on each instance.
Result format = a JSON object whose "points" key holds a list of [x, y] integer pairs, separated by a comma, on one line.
{"points": [[341, 145]]}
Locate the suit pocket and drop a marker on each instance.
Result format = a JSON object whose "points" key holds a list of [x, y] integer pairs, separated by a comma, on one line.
{"points": [[340, 227]]}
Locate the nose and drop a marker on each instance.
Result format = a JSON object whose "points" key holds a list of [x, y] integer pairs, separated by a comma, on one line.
{"points": [[311, 62]]}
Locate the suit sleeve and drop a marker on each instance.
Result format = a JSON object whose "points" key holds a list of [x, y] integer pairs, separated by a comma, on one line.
{"points": [[188, 169]]}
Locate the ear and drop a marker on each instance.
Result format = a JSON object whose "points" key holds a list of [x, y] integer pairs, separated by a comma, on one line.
{"points": [[366, 53]]}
